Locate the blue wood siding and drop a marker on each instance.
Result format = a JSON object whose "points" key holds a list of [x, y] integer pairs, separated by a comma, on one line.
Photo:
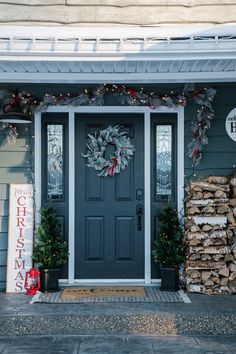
{"points": [[219, 157]]}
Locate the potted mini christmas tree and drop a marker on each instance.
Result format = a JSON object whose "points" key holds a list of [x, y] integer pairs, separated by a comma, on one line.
{"points": [[168, 248], [50, 250]]}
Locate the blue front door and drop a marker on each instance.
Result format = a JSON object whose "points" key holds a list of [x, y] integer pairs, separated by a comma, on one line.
{"points": [[109, 230]]}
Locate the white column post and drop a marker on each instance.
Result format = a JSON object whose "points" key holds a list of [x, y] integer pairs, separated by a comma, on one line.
{"points": [[37, 165], [71, 238], [147, 202], [180, 157]]}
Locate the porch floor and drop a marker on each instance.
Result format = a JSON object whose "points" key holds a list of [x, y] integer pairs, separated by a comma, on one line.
{"points": [[205, 315]]}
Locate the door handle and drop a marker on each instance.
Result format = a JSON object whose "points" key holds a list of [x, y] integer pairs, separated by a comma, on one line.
{"points": [[139, 213]]}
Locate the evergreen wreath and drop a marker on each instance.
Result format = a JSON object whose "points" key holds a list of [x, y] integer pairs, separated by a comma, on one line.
{"points": [[97, 146]]}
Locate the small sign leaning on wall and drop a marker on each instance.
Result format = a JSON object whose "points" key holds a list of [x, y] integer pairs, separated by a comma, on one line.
{"points": [[20, 236], [230, 124]]}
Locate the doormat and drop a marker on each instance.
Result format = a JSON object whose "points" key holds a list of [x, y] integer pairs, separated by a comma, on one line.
{"points": [[74, 293], [151, 295]]}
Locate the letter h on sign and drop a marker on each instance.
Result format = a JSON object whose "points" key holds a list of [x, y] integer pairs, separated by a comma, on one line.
{"points": [[233, 127]]}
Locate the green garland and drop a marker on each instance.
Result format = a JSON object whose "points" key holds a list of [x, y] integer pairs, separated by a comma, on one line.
{"points": [[25, 102]]}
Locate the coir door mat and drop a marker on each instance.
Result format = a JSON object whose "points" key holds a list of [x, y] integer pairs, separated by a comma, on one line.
{"points": [[152, 295], [74, 293]]}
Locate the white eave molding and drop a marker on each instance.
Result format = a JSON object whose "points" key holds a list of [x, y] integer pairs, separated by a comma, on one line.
{"points": [[128, 54]]}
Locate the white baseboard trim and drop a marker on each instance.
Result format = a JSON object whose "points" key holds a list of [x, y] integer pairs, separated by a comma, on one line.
{"points": [[121, 282]]}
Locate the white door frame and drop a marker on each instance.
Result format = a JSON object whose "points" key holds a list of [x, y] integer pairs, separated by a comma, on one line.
{"points": [[147, 178]]}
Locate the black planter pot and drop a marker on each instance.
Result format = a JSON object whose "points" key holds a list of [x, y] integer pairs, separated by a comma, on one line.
{"points": [[49, 280], [169, 279]]}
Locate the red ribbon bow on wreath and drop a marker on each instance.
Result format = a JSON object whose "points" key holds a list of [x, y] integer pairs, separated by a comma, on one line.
{"points": [[111, 169]]}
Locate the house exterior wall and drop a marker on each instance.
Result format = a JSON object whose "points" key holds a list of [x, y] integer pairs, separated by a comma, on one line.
{"points": [[116, 12], [219, 156]]}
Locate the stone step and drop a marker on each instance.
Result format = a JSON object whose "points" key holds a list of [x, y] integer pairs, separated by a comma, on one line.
{"points": [[119, 324]]}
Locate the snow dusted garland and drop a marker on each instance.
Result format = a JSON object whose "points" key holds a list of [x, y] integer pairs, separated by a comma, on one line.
{"points": [[201, 123], [97, 147], [8, 134]]}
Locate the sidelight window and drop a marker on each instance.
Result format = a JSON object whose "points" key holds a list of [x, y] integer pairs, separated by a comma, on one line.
{"points": [[55, 161], [164, 162]]}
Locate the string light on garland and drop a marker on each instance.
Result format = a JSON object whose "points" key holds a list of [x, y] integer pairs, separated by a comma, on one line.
{"points": [[27, 103]]}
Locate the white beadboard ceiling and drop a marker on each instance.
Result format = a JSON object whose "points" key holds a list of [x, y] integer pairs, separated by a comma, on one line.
{"points": [[111, 55]]}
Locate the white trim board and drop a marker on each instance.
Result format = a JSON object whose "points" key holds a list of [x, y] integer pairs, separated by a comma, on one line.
{"points": [[124, 282], [37, 165], [112, 109], [180, 159], [118, 78], [71, 214], [111, 32], [147, 197], [147, 131]]}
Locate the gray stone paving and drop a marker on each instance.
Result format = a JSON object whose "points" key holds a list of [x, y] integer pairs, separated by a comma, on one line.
{"points": [[205, 315], [200, 304], [118, 345]]}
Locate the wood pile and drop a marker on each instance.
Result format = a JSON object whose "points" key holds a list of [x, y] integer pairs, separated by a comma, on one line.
{"points": [[210, 235]]}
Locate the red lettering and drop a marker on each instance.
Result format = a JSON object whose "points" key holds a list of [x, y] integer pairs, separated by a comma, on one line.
{"points": [[20, 222], [19, 264], [19, 276], [20, 252], [21, 210], [19, 286], [21, 232], [19, 201], [20, 243]]}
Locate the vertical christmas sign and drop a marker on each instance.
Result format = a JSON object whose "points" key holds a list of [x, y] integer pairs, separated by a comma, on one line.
{"points": [[20, 236]]}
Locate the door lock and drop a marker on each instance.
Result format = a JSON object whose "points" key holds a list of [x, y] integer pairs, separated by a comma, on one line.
{"points": [[139, 194]]}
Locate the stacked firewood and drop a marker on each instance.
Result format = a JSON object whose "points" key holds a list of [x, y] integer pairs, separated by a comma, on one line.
{"points": [[210, 235]]}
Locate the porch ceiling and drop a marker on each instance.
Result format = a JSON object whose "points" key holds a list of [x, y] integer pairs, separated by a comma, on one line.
{"points": [[100, 57]]}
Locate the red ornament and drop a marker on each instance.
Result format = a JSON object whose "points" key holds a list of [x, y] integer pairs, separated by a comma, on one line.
{"points": [[32, 281], [15, 101], [181, 102], [195, 151], [133, 94]]}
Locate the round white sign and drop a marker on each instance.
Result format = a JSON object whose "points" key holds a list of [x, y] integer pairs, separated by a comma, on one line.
{"points": [[230, 124]]}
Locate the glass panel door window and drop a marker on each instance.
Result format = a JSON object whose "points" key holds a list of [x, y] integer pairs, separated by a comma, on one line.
{"points": [[163, 161], [55, 161]]}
